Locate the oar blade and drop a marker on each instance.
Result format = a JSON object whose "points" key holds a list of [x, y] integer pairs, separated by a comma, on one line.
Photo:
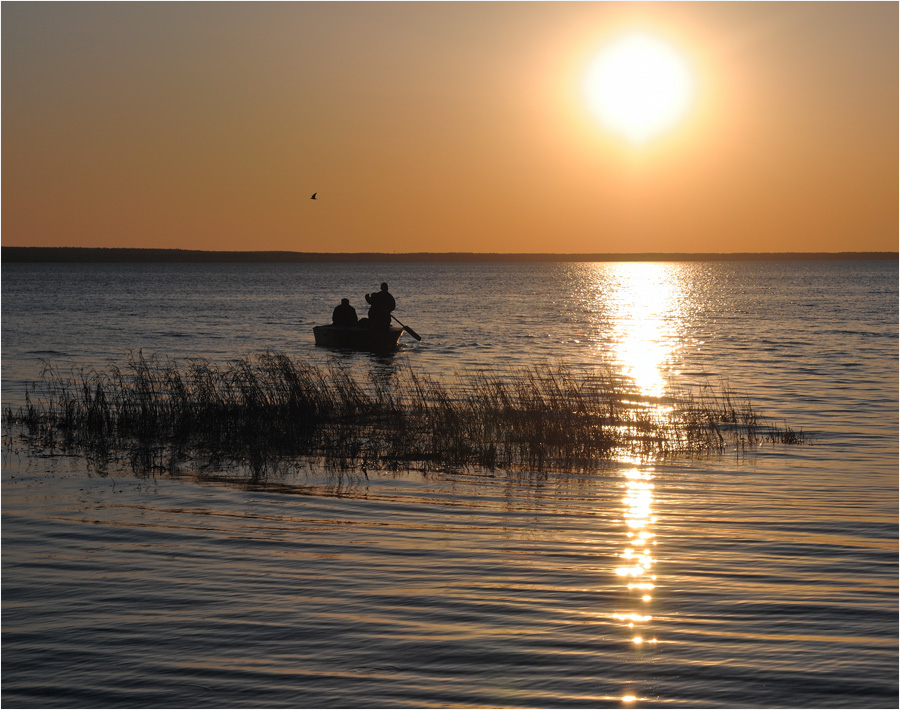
{"points": [[407, 328]]}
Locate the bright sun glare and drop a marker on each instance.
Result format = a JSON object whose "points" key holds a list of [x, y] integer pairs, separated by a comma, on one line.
{"points": [[638, 87]]}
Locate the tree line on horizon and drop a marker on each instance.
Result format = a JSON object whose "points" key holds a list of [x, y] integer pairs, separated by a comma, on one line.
{"points": [[22, 254]]}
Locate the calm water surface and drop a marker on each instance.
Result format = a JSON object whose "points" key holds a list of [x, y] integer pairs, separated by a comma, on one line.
{"points": [[764, 581]]}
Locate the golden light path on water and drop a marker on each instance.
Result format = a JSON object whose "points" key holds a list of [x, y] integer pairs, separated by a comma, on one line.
{"points": [[645, 312], [636, 561], [645, 307]]}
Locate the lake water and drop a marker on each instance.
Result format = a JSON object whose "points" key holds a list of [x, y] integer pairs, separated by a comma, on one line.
{"points": [[768, 580]]}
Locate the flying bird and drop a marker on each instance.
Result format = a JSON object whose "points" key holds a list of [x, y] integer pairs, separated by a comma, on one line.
{"points": [[314, 196]]}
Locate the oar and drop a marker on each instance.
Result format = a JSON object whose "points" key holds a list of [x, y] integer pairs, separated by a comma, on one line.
{"points": [[408, 329]]}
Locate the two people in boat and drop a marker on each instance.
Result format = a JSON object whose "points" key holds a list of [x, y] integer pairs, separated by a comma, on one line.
{"points": [[381, 303]]}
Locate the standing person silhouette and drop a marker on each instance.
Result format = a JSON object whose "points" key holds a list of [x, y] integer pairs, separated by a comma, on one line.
{"points": [[381, 303]]}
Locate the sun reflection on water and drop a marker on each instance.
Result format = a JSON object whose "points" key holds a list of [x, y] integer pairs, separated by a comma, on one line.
{"points": [[639, 316], [637, 559], [644, 307], [644, 302]]}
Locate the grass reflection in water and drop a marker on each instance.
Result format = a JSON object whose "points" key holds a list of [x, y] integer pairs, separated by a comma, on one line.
{"points": [[271, 408]]}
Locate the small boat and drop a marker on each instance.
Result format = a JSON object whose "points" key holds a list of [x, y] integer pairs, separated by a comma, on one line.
{"points": [[358, 337]]}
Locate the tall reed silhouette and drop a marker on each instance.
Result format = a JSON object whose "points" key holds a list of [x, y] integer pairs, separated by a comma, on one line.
{"points": [[255, 411]]}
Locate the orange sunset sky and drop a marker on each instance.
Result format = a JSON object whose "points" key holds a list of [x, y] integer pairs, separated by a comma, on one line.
{"points": [[446, 127]]}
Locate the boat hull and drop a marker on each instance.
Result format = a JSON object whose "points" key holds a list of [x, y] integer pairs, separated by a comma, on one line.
{"points": [[357, 338]]}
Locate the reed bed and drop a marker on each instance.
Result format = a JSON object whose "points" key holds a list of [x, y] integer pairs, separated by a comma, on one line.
{"points": [[270, 408]]}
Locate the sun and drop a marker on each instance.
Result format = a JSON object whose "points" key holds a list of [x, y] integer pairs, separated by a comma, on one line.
{"points": [[638, 87]]}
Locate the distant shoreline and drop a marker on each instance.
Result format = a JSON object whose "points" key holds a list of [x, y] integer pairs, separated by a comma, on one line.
{"points": [[11, 254]]}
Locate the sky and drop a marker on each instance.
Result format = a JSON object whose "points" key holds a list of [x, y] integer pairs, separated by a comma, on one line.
{"points": [[445, 127]]}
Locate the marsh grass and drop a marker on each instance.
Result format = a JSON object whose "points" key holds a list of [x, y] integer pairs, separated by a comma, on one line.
{"points": [[263, 411]]}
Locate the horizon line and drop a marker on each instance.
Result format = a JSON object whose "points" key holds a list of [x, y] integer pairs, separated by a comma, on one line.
{"points": [[19, 254]]}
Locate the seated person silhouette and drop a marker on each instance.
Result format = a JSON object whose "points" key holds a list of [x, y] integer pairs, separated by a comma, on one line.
{"points": [[344, 314]]}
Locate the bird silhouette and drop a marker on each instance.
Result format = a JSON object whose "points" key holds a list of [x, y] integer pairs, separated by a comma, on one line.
{"points": [[314, 196]]}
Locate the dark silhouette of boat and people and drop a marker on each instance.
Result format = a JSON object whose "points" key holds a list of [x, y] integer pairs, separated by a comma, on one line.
{"points": [[372, 332]]}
